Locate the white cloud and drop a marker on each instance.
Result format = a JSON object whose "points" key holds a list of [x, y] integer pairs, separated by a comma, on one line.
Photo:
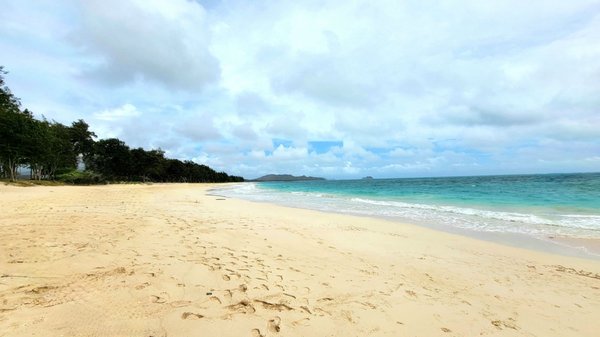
{"points": [[198, 128], [410, 88], [125, 111], [164, 41], [286, 153], [245, 132]]}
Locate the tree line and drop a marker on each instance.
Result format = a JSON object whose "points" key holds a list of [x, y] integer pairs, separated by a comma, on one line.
{"points": [[52, 151]]}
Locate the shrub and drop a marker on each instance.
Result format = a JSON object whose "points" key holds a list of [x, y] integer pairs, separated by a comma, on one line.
{"points": [[81, 178]]}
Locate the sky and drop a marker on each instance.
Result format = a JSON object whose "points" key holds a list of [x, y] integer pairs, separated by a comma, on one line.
{"points": [[337, 89]]}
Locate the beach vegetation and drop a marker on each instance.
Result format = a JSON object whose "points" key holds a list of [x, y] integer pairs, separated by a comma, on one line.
{"points": [[52, 151], [77, 177]]}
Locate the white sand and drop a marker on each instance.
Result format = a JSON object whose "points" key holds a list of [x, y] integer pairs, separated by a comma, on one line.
{"points": [[168, 260]]}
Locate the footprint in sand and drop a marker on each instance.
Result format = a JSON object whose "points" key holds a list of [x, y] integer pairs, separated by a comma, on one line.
{"points": [[411, 293], [348, 316], [226, 277], [274, 306], [157, 299], [228, 294], [303, 321], [305, 308], [242, 307], [177, 304], [325, 299], [273, 324], [191, 315], [256, 333], [322, 312]]}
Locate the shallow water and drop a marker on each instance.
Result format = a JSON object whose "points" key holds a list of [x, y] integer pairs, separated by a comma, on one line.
{"points": [[540, 206]]}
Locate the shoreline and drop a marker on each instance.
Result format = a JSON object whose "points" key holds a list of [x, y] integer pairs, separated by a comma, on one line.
{"points": [[570, 246], [170, 259]]}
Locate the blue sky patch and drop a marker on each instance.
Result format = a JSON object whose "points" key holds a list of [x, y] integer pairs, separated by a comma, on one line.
{"points": [[320, 147]]}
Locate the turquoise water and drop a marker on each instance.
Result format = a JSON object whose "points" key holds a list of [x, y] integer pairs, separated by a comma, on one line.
{"points": [[538, 205], [579, 193]]}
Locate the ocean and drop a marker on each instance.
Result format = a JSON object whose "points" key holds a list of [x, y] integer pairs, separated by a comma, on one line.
{"points": [[541, 206]]}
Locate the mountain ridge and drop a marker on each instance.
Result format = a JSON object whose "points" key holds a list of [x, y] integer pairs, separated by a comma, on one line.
{"points": [[286, 177]]}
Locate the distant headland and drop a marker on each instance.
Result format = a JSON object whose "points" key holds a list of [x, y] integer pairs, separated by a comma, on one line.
{"points": [[285, 177]]}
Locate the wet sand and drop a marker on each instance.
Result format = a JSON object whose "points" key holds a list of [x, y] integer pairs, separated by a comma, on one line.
{"points": [[170, 260]]}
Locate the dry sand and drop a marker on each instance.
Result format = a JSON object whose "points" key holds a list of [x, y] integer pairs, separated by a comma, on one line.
{"points": [[169, 260]]}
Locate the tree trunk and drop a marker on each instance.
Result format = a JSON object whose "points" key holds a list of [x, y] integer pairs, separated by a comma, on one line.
{"points": [[12, 169]]}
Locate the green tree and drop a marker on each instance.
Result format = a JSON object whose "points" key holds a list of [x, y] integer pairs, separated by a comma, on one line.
{"points": [[12, 126], [82, 139], [111, 158], [15, 129], [147, 165], [8, 102], [35, 147], [175, 171], [61, 152], [50, 147]]}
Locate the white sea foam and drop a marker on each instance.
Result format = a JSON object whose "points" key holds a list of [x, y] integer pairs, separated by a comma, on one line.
{"points": [[470, 218]]}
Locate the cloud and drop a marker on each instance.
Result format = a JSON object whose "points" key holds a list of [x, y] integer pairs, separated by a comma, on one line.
{"points": [[198, 128], [357, 88], [245, 132], [249, 103], [116, 114], [155, 40], [326, 79]]}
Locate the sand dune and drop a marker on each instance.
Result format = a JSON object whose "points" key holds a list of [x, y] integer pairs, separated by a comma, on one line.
{"points": [[169, 260]]}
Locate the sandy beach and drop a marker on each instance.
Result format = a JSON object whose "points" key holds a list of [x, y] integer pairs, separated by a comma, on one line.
{"points": [[171, 260]]}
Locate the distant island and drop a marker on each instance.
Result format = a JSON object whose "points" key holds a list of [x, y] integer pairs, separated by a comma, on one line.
{"points": [[285, 177], [367, 178]]}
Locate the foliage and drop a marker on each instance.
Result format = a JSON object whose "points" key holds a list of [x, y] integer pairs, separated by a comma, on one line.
{"points": [[82, 138], [81, 178], [31, 183], [51, 151]]}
